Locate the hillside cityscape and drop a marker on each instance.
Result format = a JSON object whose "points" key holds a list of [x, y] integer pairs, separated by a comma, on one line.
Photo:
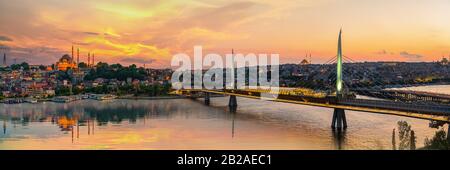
{"points": [[68, 76]]}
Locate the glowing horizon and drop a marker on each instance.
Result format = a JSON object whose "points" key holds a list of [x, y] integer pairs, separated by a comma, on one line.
{"points": [[151, 32]]}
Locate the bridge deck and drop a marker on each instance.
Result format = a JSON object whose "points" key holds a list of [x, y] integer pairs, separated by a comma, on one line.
{"points": [[422, 93], [429, 112], [405, 95]]}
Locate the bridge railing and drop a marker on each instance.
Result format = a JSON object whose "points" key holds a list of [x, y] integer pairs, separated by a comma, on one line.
{"points": [[409, 107]]}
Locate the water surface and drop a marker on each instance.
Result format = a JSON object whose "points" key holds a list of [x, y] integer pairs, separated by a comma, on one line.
{"points": [[189, 124]]}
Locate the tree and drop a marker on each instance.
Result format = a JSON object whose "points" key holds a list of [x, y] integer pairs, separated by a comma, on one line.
{"points": [[116, 71], [393, 140], [438, 142], [407, 138], [23, 65], [413, 140], [82, 65], [42, 67], [62, 75], [116, 66], [404, 131], [62, 91], [76, 90]]}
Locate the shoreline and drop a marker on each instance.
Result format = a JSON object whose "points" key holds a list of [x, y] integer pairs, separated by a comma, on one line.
{"points": [[151, 97], [122, 98], [119, 97], [125, 98], [130, 97]]}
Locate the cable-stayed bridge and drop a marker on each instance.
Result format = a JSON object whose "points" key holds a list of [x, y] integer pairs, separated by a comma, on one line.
{"points": [[344, 96]]}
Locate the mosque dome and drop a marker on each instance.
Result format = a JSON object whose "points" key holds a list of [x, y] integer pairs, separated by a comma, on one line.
{"points": [[66, 58], [65, 62], [304, 62]]}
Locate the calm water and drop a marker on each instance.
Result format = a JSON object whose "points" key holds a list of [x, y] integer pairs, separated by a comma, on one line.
{"points": [[189, 124]]}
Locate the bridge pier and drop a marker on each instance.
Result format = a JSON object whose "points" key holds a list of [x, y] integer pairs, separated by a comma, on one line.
{"points": [[207, 98], [232, 103], [339, 120]]}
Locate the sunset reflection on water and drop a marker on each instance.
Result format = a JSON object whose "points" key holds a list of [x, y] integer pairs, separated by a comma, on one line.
{"points": [[189, 124]]}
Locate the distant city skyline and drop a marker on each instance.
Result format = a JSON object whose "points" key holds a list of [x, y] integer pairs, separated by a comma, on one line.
{"points": [[151, 32]]}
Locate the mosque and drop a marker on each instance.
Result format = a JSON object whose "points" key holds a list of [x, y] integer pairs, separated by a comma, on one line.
{"points": [[66, 62], [306, 62]]}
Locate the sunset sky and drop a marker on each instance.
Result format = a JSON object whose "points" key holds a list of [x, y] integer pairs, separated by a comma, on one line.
{"points": [[152, 31]]}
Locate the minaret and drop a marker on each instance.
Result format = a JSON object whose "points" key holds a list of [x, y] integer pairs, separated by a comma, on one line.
{"points": [[4, 59], [339, 67], [89, 60], [93, 60], [310, 58], [78, 55], [72, 55]]}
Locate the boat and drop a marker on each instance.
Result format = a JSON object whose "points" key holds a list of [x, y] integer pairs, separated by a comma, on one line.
{"points": [[13, 101], [62, 99], [77, 97], [436, 124], [106, 97], [31, 100], [92, 96]]}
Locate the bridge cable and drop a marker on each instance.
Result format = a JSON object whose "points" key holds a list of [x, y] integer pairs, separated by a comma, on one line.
{"points": [[382, 84]]}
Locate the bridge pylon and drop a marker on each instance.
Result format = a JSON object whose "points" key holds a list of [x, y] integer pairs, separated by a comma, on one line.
{"points": [[207, 98], [339, 84], [339, 120], [232, 103]]}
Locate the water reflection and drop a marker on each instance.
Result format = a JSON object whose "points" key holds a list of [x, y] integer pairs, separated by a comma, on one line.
{"points": [[4, 127], [189, 124], [232, 124], [67, 115], [83, 117], [339, 138]]}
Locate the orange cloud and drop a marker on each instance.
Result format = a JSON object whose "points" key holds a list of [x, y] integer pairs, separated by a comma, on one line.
{"points": [[117, 29]]}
